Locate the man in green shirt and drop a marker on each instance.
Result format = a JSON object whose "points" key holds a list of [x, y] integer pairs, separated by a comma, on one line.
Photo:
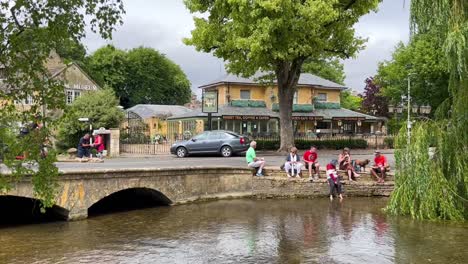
{"points": [[253, 161]]}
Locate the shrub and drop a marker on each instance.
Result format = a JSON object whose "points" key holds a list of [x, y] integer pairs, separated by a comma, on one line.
{"points": [[272, 144], [389, 141]]}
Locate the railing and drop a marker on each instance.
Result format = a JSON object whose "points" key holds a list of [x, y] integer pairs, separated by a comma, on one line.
{"points": [[269, 142]]}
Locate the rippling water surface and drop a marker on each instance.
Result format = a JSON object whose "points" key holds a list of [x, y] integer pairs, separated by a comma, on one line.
{"points": [[241, 231]]}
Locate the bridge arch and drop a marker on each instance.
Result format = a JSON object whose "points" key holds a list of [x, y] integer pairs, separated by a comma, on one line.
{"points": [[18, 210], [128, 199]]}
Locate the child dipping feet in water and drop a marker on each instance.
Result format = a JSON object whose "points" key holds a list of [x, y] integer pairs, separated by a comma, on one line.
{"points": [[333, 180]]}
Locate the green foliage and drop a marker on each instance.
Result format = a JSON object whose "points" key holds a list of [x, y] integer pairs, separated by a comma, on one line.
{"points": [[330, 69], [425, 61], [321, 144], [277, 36], [326, 105], [426, 188], [30, 31], [100, 106], [248, 103], [437, 187], [389, 142], [140, 76], [350, 101], [394, 125]]}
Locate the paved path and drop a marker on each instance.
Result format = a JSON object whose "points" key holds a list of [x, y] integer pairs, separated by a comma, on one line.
{"points": [[168, 161]]}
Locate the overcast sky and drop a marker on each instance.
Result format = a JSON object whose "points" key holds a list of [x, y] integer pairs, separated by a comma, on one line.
{"points": [[162, 24]]}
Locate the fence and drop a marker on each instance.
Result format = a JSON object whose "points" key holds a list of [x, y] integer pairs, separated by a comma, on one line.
{"points": [[162, 145]]}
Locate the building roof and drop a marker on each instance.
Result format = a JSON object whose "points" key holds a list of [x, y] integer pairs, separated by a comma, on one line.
{"points": [[149, 110], [227, 110], [306, 79]]}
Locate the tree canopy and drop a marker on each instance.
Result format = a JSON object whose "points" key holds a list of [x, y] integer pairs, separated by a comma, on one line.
{"points": [[330, 69], [101, 107], [140, 76], [277, 36], [30, 31], [425, 63], [373, 100]]}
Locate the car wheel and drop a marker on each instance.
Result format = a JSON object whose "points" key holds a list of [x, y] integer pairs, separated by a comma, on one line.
{"points": [[226, 151], [181, 152]]}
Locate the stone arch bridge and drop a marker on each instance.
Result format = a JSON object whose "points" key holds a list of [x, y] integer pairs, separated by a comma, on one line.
{"points": [[80, 190]]}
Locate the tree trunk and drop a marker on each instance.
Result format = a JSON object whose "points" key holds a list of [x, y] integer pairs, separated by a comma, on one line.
{"points": [[287, 76]]}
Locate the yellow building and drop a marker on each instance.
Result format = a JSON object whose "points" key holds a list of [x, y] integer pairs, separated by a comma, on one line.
{"points": [[248, 106]]}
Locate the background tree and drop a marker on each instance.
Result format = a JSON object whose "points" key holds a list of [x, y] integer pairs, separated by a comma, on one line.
{"points": [[277, 36], [100, 106], [440, 179], [350, 101], [373, 101], [30, 30], [140, 76], [330, 69], [425, 61]]}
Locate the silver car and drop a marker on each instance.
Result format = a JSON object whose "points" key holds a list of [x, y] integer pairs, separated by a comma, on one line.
{"points": [[223, 142]]}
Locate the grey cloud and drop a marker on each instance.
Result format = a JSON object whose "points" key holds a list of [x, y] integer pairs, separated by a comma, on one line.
{"points": [[163, 24]]}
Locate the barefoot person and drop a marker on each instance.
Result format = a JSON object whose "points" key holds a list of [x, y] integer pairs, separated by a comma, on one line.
{"points": [[293, 163], [253, 161], [310, 158], [333, 180], [380, 168], [345, 164]]}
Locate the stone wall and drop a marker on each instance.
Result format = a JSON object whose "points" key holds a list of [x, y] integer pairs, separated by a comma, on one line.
{"points": [[271, 187]]}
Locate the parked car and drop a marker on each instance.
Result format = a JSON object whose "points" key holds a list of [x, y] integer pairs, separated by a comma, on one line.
{"points": [[223, 142]]}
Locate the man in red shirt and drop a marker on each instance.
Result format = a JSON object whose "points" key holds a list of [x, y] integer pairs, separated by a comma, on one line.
{"points": [[310, 159], [380, 167]]}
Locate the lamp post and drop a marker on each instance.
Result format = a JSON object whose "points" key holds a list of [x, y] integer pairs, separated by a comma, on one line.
{"points": [[87, 120]]}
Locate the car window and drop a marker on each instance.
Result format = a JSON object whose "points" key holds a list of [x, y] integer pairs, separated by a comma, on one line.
{"points": [[228, 136], [202, 136]]}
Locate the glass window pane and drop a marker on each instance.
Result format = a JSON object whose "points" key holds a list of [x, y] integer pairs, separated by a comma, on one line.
{"points": [[322, 97], [245, 94]]}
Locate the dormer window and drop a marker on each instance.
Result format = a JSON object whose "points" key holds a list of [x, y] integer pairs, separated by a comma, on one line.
{"points": [[245, 94], [322, 97]]}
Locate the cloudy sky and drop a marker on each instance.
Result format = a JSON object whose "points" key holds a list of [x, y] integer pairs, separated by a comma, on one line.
{"points": [[162, 24]]}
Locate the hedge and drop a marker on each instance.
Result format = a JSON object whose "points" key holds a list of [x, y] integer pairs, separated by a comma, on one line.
{"points": [[325, 105], [321, 144]]}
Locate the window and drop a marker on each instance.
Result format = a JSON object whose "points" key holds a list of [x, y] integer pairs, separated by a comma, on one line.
{"points": [[28, 100], [72, 96], [202, 136], [295, 98], [245, 94], [69, 97], [322, 97]]}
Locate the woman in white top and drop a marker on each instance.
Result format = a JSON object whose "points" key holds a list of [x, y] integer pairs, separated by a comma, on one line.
{"points": [[293, 163]]}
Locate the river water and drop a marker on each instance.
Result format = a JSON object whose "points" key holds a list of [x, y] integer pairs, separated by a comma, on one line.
{"points": [[241, 231]]}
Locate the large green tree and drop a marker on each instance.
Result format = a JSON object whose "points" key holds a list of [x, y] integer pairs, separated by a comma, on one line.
{"points": [[330, 69], [277, 36], [425, 63], [140, 76], [435, 186], [30, 31]]}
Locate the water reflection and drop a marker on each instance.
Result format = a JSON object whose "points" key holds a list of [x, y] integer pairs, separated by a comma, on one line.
{"points": [[240, 231]]}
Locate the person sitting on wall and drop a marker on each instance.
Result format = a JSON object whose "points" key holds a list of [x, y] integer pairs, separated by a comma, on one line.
{"points": [[311, 162], [380, 168], [344, 160], [293, 164], [253, 161], [84, 147], [333, 180]]}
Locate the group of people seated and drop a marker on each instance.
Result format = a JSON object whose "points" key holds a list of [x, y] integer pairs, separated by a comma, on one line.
{"points": [[294, 166]]}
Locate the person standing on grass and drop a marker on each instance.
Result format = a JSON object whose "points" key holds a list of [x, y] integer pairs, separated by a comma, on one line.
{"points": [[253, 161], [380, 168], [311, 161], [333, 180]]}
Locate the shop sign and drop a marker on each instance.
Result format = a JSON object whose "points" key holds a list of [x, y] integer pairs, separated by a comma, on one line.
{"points": [[349, 118], [306, 118], [235, 117], [210, 102]]}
